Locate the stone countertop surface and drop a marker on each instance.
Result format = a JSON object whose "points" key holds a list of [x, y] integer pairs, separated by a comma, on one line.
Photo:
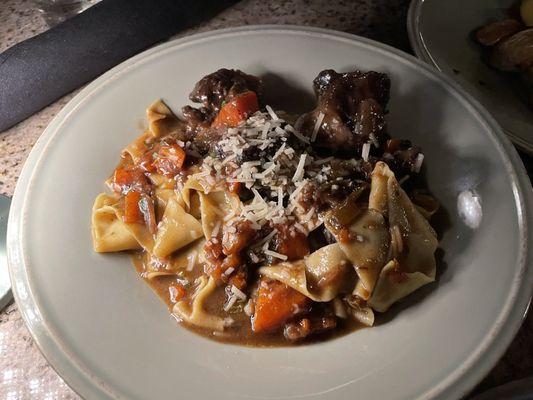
{"points": [[24, 373]]}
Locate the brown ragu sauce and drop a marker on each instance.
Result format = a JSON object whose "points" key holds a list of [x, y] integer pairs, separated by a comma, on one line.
{"points": [[261, 229], [241, 331]]}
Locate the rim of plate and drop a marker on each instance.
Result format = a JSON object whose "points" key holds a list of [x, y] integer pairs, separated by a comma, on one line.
{"points": [[422, 52], [455, 384]]}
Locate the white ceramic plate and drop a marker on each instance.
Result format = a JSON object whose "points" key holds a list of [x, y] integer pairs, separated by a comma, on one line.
{"points": [[110, 337], [440, 34]]}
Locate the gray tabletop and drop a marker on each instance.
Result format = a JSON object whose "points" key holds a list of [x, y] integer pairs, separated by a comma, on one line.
{"points": [[24, 373]]}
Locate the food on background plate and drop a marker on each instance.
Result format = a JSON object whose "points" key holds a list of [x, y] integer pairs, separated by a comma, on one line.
{"points": [[509, 43], [264, 228]]}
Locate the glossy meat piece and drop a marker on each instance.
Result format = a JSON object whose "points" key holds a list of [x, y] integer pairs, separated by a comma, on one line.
{"points": [[514, 53], [214, 89], [491, 34], [352, 104]]}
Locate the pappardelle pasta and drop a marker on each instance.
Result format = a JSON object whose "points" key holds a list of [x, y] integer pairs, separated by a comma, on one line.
{"points": [[259, 227]]}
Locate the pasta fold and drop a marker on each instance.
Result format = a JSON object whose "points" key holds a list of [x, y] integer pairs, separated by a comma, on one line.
{"points": [[393, 285], [195, 313], [161, 120], [367, 248], [109, 232], [413, 241], [321, 276], [176, 229]]}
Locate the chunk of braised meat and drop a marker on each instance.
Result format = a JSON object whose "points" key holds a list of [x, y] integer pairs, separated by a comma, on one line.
{"points": [[224, 268], [290, 242], [493, 33], [400, 155], [353, 105], [213, 252], [196, 120], [216, 88], [224, 259], [308, 326]]}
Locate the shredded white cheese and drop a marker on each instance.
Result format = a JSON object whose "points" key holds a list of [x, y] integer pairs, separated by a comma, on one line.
{"points": [[318, 123], [191, 259], [299, 173], [365, 151], [272, 113], [275, 254]]}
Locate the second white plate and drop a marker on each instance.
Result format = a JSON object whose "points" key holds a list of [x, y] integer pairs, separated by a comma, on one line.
{"points": [[440, 32]]}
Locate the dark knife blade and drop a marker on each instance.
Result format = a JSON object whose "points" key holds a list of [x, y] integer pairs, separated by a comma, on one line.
{"points": [[40, 70]]}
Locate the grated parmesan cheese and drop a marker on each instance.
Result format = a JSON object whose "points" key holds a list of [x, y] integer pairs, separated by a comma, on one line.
{"points": [[275, 254], [318, 123], [299, 173], [191, 259], [272, 113], [238, 293], [365, 151]]}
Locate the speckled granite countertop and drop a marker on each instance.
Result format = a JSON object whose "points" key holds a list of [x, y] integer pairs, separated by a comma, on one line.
{"points": [[24, 373]]}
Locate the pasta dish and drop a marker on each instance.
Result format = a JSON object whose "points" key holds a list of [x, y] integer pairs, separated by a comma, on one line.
{"points": [[260, 227]]}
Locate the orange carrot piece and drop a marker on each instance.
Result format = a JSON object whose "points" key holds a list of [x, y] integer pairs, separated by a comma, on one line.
{"points": [[170, 160], [275, 304], [132, 212], [237, 110], [292, 244], [235, 187], [176, 292], [126, 179]]}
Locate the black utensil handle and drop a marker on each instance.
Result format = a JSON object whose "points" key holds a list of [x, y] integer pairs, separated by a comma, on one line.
{"points": [[40, 70]]}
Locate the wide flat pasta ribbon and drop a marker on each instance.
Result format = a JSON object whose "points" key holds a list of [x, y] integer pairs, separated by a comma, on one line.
{"points": [[367, 249], [161, 120], [188, 258], [176, 229], [393, 285], [195, 313], [321, 276], [109, 231], [413, 240]]}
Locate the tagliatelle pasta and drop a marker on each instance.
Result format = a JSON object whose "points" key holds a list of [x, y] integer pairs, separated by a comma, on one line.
{"points": [[258, 231]]}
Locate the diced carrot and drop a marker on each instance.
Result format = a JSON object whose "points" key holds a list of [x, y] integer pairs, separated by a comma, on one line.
{"points": [[176, 292], [234, 187], [291, 243], [170, 160], [237, 110], [145, 163], [132, 212], [146, 205], [275, 304], [126, 179]]}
